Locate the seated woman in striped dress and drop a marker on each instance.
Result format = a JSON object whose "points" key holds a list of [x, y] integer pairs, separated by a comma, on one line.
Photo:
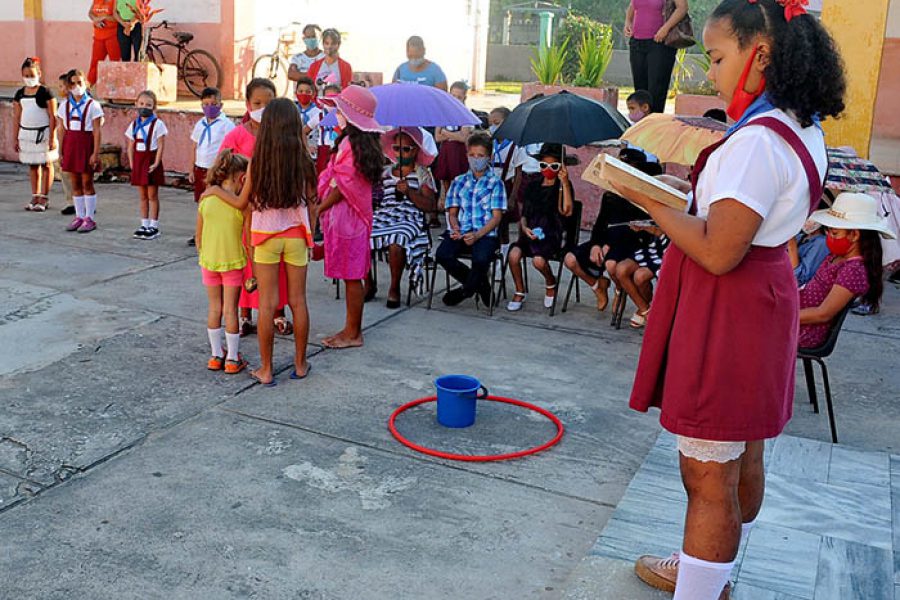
{"points": [[399, 221]]}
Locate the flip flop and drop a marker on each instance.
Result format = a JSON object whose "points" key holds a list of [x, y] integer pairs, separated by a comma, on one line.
{"points": [[271, 384], [295, 376]]}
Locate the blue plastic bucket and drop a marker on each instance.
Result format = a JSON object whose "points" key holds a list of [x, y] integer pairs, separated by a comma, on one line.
{"points": [[456, 397]]}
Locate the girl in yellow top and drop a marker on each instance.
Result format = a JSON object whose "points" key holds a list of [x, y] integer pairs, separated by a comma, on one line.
{"points": [[222, 258]]}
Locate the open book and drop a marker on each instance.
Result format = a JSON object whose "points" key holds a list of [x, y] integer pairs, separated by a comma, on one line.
{"points": [[613, 174]]}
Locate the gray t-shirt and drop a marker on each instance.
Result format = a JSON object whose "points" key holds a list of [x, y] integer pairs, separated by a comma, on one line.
{"points": [[330, 74]]}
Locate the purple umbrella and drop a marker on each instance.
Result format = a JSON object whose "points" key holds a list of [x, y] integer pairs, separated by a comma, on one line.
{"points": [[412, 105]]}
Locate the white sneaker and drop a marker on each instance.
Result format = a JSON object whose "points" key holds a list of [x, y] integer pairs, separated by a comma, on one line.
{"points": [[516, 305]]}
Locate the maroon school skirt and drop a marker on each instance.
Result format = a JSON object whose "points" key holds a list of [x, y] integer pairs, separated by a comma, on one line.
{"points": [[77, 147], [452, 161], [719, 352], [140, 170]]}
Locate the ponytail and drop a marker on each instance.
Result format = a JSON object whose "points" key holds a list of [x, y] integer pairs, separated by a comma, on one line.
{"points": [[805, 74], [227, 165], [870, 247]]}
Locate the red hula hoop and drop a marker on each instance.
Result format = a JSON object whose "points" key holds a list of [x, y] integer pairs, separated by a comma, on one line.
{"points": [[484, 457]]}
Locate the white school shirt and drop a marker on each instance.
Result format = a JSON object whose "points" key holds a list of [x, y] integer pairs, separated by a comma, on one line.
{"points": [[311, 117], [208, 145], [158, 131], [760, 170], [498, 159], [94, 112]]}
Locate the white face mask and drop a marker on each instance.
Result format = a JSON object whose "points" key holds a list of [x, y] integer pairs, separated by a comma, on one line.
{"points": [[79, 90], [257, 114], [493, 129], [31, 81]]}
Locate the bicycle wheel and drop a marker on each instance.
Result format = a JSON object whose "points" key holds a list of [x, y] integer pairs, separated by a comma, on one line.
{"points": [[271, 67], [200, 70]]}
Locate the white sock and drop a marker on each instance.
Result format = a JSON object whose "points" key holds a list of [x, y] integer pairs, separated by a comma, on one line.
{"points": [[154, 224], [215, 341], [79, 206], [700, 579], [234, 341], [745, 530], [145, 222], [90, 205]]}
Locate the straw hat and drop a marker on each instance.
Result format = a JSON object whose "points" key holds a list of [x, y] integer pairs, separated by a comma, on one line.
{"points": [[854, 211], [358, 106], [423, 157]]}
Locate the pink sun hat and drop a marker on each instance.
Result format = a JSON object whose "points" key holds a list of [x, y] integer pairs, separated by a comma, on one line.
{"points": [[357, 104], [423, 157]]}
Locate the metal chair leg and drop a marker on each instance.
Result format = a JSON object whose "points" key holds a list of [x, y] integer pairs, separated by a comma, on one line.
{"points": [[828, 403], [556, 292], [577, 288], [810, 384], [572, 283], [493, 284], [431, 287], [337, 288]]}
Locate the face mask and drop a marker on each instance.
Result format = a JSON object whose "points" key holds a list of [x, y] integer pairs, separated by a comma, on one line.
{"points": [[31, 81], [742, 100], [342, 120], [493, 129], [838, 246], [257, 114], [79, 90], [416, 62], [212, 111], [304, 99], [405, 161], [636, 115], [480, 164], [549, 173], [311, 43], [145, 113]]}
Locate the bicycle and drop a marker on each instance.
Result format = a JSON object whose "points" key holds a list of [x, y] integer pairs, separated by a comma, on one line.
{"points": [[198, 69], [274, 66]]}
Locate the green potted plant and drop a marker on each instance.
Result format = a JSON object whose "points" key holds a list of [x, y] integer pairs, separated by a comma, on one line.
{"points": [[123, 81], [694, 94]]}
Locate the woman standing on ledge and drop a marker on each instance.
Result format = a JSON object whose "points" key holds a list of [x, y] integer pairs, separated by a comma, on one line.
{"points": [[719, 351]]}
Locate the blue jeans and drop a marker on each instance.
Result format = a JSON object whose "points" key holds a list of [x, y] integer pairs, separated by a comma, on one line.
{"points": [[482, 251]]}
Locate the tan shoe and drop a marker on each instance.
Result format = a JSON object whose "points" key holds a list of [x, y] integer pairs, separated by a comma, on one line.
{"points": [[659, 573], [662, 573]]}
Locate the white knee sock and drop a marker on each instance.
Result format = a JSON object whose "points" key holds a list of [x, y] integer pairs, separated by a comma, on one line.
{"points": [[745, 530], [233, 340], [79, 206], [700, 579], [215, 341], [90, 205]]}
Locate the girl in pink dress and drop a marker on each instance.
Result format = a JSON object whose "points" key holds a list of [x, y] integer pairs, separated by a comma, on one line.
{"points": [[345, 191], [719, 353], [242, 140]]}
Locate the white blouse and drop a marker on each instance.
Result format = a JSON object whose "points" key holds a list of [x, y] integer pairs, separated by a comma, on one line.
{"points": [[758, 168]]}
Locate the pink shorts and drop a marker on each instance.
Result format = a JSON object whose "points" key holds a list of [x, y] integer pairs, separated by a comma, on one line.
{"points": [[233, 278]]}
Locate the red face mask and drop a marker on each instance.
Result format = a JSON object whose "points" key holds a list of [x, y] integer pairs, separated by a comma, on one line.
{"points": [[549, 173], [742, 100], [305, 99], [838, 246]]}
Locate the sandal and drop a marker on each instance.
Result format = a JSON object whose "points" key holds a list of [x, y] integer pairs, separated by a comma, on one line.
{"points": [[30, 206], [283, 326], [246, 327], [516, 305], [215, 363], [602, 293], [639, 319], [548, 300], [42, 204], [233, 367]]}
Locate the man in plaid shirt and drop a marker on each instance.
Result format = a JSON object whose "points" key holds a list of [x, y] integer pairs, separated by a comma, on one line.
{"points": [[475, 205]]}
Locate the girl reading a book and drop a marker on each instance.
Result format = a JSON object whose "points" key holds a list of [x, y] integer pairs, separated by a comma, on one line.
{"points": [[719, 352]]}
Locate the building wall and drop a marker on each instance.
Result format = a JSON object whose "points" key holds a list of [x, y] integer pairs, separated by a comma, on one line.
{"points": [[885, 148]]}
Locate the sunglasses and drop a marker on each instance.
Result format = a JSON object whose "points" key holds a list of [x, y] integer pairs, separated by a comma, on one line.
{"points": [[398, 148], [554, 166]]}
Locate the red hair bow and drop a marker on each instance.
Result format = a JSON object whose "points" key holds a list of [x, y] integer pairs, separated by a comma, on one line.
{"points": [[792, 8]]}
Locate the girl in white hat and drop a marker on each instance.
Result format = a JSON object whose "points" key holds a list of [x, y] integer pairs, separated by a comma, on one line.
{"points": [[852, 269]]}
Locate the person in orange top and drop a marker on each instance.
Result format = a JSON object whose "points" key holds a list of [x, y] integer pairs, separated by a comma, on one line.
{"points": [[106, 44]]}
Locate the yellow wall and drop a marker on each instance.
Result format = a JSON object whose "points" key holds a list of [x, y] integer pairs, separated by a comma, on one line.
{"points": [[34, 9], [860, 37]]}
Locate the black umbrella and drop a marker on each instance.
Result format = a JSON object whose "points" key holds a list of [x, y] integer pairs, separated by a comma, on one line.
{"points": [[562, 118]]}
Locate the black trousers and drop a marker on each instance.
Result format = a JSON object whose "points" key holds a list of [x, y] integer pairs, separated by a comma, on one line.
{"points": [[651, 69], [476, 278], [130, 42]]}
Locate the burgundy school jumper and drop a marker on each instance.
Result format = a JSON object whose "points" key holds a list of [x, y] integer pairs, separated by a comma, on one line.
{"points": [[719, 352], [143, 159], [78, 145]]}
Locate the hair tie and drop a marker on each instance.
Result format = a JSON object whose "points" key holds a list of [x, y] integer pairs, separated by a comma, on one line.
{"points": [[793, 8]]}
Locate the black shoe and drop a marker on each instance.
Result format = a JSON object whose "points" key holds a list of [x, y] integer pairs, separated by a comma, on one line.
{"points": [[454, 297], [152, 233], [69, 210], [141, 233], [393, 304], [895, 277], [192, 242], [371, 290]]}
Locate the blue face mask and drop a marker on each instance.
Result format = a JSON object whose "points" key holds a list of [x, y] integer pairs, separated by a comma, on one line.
{"points": [[311, 43], [416, 62], [480, 164]]}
